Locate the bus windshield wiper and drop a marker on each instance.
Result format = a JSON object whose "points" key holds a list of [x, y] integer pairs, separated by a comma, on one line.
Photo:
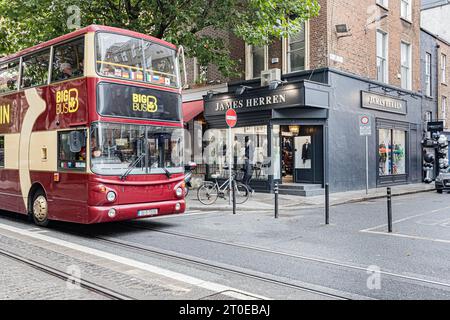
{"points": [[168, 174], [132, 166]]}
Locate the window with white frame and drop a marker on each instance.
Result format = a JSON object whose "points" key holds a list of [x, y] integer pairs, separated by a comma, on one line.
{"points": [[382, 54], [406, 69], [406, 9], [444, 110], [384, 3], [428, 74], [428, 116], [296, 51], [443, 68], [256, 58]]}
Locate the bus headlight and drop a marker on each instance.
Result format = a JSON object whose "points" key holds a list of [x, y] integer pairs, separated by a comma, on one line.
{"points": [[112, 213], [179, 192], [178, 206], [111, 196]]}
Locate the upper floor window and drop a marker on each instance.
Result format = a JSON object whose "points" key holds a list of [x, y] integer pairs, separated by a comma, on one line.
{"points": [[382, 56], [384, 3], [296, 51], [406, 71], [256, 61], [443, 68], [35, 69], [405, 9], [428, 74], [9, 75], [68, 60]]}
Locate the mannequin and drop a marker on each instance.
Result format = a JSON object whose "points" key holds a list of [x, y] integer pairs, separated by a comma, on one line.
{"points": [[306, 151]]}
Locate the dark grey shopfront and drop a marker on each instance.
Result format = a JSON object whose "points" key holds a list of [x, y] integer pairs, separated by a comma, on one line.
{"points": [[306, 131]]}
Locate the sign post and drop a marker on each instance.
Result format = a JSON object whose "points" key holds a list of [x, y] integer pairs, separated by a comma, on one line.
{"points": [[231, 120], [365, 129]]}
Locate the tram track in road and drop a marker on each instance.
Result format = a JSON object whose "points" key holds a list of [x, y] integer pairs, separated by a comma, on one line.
{"points": [[219, 267], [90, 286], [403, 277]]}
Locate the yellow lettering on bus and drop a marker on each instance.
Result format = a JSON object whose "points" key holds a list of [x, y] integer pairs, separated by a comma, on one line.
{"points": [[144, 103], [67, 101], [5, 111]]}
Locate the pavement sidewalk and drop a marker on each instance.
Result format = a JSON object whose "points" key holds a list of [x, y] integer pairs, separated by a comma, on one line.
{"points": [[265, 201]]}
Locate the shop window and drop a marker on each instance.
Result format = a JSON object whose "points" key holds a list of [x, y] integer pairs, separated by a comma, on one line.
{"points": [[9, 73], [68, 61], [72, 150], [2, 152], [392, 152], [250, 157], [35, 69]]}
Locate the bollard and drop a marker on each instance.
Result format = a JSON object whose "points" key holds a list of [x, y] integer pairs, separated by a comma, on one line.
{"points": [[327, 203], [389, 209], [276, 190], [234, 195]]}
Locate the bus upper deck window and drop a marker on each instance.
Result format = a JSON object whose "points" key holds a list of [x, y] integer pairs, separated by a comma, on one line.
{"points": [[68, 61], [35, 69], [9, 73]]}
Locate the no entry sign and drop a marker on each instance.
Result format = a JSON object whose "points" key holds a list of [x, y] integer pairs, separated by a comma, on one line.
{"points": [[231, 118]]}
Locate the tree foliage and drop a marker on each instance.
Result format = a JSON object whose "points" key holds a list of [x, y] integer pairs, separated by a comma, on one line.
{"points": [[24, 23]]}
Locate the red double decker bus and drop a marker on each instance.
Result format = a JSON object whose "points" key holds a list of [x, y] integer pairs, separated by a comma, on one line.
{"points": [[91, 128]]}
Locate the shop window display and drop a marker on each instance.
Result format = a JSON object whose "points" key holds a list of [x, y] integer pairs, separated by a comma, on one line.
{"points": [[250, 146], [392, 152]]}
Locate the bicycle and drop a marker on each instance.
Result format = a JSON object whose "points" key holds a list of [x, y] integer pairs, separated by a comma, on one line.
{"points": [[209, 192]]}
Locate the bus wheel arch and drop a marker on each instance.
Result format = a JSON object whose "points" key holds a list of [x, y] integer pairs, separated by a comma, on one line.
{"points": [[38, 205]]}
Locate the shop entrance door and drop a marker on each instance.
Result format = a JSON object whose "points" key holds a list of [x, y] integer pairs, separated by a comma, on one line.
{"points": [[302, 155]]}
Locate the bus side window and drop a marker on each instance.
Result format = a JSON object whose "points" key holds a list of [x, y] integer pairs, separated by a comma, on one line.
{"points": [[72, 150], [68, 61], [2, 151], [9, 73], [35, 69]]}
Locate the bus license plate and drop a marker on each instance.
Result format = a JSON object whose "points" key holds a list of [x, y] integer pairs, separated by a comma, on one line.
{"points": [[144, 213]]}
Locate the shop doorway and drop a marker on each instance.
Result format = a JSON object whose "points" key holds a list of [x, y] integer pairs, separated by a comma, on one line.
{"points": [[302, 154]]}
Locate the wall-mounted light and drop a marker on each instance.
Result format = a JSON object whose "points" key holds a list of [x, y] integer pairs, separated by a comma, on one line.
{"points": [[273, 85], [242, 89]]}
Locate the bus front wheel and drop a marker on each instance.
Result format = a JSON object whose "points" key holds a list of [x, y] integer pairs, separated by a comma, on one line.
{"points": [[40, 209]]}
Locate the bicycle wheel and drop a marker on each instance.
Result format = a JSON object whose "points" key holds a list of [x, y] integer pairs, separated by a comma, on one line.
{"points": [[242, 192], [207, 193]]}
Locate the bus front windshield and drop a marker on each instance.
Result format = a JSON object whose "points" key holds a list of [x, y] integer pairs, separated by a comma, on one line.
{"points": [[118, 149]]}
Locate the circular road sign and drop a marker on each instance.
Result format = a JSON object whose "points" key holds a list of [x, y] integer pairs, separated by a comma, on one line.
{"points": [[365, 120], [231, 118]]}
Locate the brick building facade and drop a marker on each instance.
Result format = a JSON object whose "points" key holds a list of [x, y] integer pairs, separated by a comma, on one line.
{"points": [[356, 59]]}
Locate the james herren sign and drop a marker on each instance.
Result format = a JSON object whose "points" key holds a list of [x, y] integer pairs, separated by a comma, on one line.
{"points": [[380, 102], [253, 101]]}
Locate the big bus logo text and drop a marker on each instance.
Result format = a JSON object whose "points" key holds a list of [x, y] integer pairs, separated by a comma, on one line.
{"points": [[144, 103], [67, 101], [5, 112]]}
